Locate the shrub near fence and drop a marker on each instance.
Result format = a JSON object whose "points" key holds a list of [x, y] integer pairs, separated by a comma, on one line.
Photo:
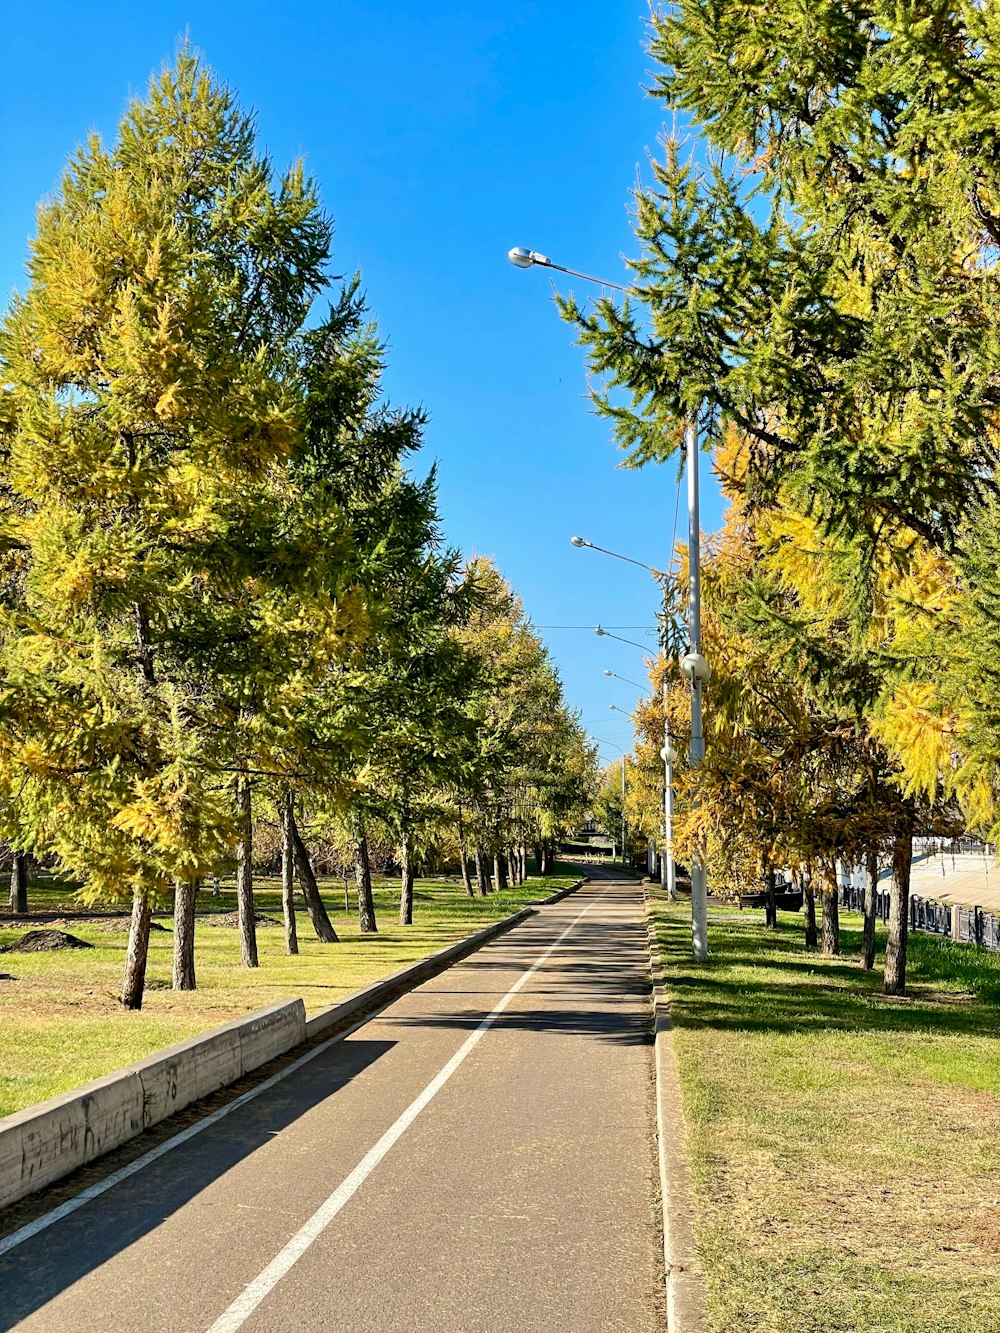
{"points": [[970, 924]]}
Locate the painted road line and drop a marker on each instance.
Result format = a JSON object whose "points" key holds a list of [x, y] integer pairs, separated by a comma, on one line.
{"points": [[49, 1219], [243, 1307]]}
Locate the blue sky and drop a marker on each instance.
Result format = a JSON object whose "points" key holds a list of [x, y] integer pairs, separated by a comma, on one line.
{"points": [[441, 135]]}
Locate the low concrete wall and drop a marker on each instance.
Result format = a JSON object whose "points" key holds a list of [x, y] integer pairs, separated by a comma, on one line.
{"points": [[179, 1075], [42, 1143], [45, 1142]]}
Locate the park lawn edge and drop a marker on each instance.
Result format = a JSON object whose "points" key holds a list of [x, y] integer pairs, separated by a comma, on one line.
{"points": [[841, 1143]]}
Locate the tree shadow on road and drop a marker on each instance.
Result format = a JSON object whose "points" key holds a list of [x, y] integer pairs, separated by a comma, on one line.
{"points": [[35, 1272]]}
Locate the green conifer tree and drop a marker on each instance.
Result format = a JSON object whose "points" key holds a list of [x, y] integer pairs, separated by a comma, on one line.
{"points": [[152, 402]]}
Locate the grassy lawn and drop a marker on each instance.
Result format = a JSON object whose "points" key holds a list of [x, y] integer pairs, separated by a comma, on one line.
{"points": [[61, 1024], [844, 1146]]}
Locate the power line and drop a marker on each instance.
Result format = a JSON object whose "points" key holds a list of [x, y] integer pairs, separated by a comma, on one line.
{"points": [[646, 628]]}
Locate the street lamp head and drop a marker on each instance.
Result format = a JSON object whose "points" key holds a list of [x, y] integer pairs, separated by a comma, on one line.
{"points": [[696, 668], [669, 755], [608, 672], [578, 541], [598, 631], [521, 257]]}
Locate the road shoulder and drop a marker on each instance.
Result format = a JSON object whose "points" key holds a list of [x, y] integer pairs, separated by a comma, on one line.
{"points": [[682, 1266]]}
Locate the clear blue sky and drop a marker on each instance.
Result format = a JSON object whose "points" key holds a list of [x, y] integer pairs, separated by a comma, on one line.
{"points": [[441, 135]]}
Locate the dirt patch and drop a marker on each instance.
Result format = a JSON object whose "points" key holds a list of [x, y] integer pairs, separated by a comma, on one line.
{"points": [[231, 920], [41, 941], [119, 925]]}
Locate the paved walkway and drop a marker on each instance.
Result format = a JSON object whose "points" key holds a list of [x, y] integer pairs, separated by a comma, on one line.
{"points": [[446, 1168], [963, 878]]}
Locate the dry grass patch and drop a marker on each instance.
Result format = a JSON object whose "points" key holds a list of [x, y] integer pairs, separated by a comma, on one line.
{"points": [[843, 1145]]}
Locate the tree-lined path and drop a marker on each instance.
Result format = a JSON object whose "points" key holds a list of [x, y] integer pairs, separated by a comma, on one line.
{"points": [[432, 1170]]}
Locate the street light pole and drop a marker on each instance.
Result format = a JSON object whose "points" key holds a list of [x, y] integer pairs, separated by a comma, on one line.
{"points": [[615, 709], [668, 870], [699, 888], [694, 664]]}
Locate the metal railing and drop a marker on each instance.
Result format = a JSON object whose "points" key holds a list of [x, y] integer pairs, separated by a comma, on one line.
{"points": [[969, 924]]}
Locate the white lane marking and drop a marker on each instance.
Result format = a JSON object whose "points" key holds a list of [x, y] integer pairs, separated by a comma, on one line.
{"points": [[50, 1218], [109, 1182], [243, 1307]]}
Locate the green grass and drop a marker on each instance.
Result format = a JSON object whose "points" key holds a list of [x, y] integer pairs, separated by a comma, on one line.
{"points": [[844, 1145], [61, 1023]]}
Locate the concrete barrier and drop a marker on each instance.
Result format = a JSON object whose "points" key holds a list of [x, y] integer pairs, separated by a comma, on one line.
{"points": [[174, 1078], [43, 1143], [270, 1033]]}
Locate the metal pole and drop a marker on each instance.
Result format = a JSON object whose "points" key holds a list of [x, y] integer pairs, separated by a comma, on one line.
{"points": [[623, 810], [668, 872], [699, 888]]}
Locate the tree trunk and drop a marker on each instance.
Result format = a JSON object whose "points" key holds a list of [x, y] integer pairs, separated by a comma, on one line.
{"points": [[547, 858], [19, 884], [363, 880], [462, 858], [244, 878], [894, 976], [500, 872], [466, 877], [288, 875], [871, 887], [539, 853], [184, 896], [809, 903], [831, 915], [138, 950], [770, 905], [482, 872], [405, 881], [523, 857], [318, 914]]}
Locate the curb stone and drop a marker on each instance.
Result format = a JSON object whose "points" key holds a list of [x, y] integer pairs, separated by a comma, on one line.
{"points": [[682, 1266]]}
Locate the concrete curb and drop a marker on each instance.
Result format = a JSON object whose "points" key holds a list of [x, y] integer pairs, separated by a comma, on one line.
{"points": [[45, 1142], [682, 1266]]}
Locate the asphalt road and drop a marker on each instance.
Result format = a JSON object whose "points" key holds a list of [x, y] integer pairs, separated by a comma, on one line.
{"points": [[477, 1158]]}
